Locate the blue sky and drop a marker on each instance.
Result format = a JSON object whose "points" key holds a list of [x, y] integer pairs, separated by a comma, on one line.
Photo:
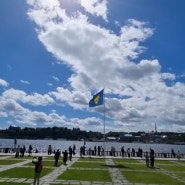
{"points": [[56, 54]]}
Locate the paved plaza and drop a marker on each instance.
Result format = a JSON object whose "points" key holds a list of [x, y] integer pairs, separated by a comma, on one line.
{"points": [[52, 177]]}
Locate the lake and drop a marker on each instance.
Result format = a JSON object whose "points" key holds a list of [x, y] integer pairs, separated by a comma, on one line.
{"points": [[42, 145]]}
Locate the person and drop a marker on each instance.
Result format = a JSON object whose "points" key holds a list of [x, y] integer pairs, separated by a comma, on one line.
{"points": [[147, 159], [17, 151], [99, 150], [15, 144], [95, 149], [74, 149], [49, 150], [178, 155], [122, 151], [173, 153], [70, 153], [65, 155], [81, 151], [128, 152], [30, 150], [57, 156], [133, 152], [151, 157], [38, 169]]}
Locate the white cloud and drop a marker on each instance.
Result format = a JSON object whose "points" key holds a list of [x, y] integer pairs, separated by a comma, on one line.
{"points": [[25, 82], [3, 83], [34, 99], [136, 89], [55, 78], [95, 7]]}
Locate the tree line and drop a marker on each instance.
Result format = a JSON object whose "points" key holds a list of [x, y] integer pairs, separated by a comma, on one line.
{"points": [[49, 133], [77, 134]]}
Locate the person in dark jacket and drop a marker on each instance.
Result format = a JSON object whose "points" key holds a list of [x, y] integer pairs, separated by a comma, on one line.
{"points": [[65, 155], [57, 156], [70, 153], [152, 157]]}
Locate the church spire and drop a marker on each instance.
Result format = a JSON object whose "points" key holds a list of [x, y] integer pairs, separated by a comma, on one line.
{"points": [[155, 128]]}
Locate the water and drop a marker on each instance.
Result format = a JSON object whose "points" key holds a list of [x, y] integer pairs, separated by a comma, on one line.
{"points": [[42, 145]]}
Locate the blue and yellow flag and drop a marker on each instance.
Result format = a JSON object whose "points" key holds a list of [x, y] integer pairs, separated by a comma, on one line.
{"points": [[97, 99]]}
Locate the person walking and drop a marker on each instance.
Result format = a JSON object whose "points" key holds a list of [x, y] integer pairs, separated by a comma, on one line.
{"points": [[57, 156], [65, 155], [38, 169], [70, 153]]}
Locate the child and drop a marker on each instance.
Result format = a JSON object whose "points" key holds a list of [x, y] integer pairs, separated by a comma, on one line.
{"points": [[38, 169]]}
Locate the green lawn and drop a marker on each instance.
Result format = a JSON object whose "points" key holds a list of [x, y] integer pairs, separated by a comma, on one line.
{"points": [[86, 175], [130, 164], [46, 163], [10, 161], [172, 167], [181, 174], [150, 178], [125, 160], [95, 169], [92, 159], [12, 183], [89, 165], [22, 172]]}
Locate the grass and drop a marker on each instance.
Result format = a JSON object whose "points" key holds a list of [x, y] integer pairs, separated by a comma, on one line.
{"points": [[95, 169], [12, 183], [150, 177], [125, 160], [131, 164], [86, 175], [10, 161], [181, 174], [89, 165], [174, 168], [163, 162], [92, 159], [22, 172], [46, 163]]}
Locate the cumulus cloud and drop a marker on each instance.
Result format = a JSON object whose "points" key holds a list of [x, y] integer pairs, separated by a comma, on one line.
{"points": [[34, 99], [137, 92], [98, 57], [3, 83], [95, 7]]}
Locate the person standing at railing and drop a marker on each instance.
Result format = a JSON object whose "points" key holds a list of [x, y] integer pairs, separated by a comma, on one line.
{"points": [[128, 152], [122, 151], [15, 144], [178, 155], [147, 159], [152, 157]]}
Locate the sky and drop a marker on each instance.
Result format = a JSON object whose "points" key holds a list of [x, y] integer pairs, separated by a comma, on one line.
{"points": [[56, 54]]}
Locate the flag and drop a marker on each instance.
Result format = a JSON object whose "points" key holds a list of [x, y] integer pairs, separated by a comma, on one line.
{"points": [[97, 99]]}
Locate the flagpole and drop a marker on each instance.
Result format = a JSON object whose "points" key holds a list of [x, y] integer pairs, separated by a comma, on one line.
{"points": [[104, 120]]}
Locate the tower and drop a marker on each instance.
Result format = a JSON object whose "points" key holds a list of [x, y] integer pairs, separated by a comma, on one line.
{"points": [[155, 128]]}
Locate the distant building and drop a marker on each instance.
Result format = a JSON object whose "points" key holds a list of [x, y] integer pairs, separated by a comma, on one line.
{"points": [[111, 138], [127, 138]]}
